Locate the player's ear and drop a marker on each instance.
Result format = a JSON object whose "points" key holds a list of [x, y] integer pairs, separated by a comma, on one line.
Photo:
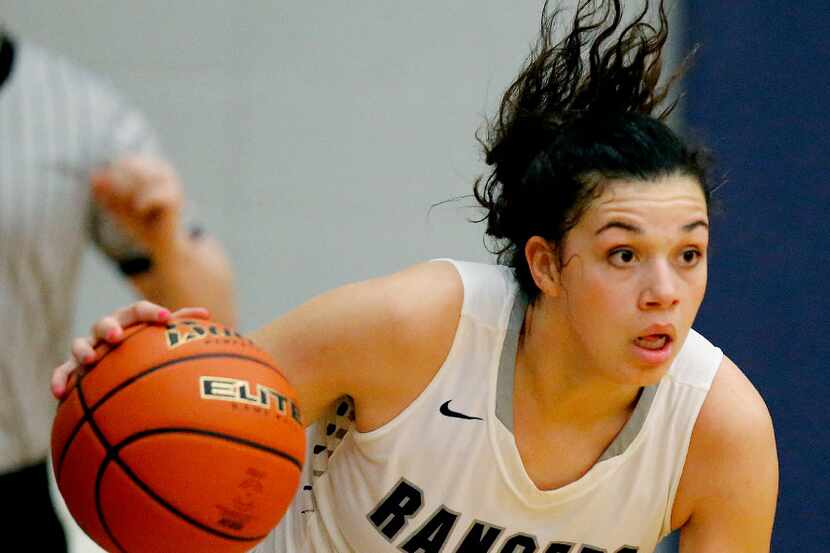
{"points": [[541, 257]]}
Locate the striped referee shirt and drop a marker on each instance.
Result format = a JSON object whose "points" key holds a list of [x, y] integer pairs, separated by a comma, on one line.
{"points": [[57, 122]]}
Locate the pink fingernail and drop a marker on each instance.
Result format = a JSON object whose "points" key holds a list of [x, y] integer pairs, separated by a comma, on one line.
{"points": [[163, 315], [113, 335], [89, 358]]}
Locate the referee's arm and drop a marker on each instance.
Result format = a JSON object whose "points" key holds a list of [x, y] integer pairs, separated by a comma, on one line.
{"points": [[182, 267], [192, 272]]}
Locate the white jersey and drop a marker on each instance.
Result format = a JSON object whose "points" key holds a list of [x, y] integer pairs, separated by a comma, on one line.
{"points": [[445, 475]]}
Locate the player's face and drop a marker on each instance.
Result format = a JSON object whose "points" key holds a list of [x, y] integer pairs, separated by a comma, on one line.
{"points": [[634, 275]]}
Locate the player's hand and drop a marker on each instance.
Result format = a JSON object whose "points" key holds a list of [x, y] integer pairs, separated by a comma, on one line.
{"points": [[109, 331], [144, 196]]}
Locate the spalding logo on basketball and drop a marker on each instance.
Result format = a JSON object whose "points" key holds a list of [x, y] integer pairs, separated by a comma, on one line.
{"points": [[185, 437]]}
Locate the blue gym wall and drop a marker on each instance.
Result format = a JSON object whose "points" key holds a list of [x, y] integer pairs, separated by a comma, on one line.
{"points": [[758, 96]]}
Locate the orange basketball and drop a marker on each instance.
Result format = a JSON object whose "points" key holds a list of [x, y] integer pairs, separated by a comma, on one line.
{"points": [[185, 437]]}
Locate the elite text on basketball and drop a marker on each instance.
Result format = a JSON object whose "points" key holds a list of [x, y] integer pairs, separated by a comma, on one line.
{"points": [[241, 391]]}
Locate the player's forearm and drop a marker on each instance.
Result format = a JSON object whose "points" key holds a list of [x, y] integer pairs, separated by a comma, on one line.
{"points": [[192, 271]]}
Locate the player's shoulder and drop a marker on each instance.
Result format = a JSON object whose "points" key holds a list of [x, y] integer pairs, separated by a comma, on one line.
{"points": [[734, 411], [488, 290], [697, 363], [732, 441], [447, 288], [420, 294], [398, 331]]}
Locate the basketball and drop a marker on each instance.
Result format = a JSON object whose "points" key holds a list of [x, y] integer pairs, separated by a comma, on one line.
{"points": [[184, 437]]}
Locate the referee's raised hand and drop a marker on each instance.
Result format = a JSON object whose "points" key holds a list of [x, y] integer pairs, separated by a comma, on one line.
{"points": [[145, 197]]}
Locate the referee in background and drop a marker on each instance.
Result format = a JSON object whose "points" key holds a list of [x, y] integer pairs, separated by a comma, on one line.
{"points": [[77, 165]]}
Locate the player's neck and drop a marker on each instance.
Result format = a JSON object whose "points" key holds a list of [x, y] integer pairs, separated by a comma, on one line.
{"points": [[553, 373]]}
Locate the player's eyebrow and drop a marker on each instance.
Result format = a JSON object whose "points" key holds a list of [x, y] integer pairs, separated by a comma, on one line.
{"points": [[695, 224], [689, 227], [620, 225]]}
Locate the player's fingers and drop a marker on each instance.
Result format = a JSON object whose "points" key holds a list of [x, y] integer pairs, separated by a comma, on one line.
{"points": [[83, 351], [141, 312], [191, 313], [88, 351], [107, 329], [60, 376]]}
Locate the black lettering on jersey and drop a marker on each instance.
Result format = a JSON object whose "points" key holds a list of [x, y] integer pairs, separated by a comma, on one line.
{"points": [[479, 538], [559, 547], [519, 543], [628, 549], [431, 537], [391, 514], [589, 549]]}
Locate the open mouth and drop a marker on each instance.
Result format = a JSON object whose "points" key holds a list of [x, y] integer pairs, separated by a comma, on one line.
{"points": [[653, 342]]}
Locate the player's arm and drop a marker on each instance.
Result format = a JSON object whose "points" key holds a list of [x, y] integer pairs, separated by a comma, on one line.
{"points": [[144, 196], [728, 491], [379, 341]]}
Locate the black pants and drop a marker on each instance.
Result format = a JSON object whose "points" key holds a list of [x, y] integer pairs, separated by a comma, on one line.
{"points": [[27, 507]]}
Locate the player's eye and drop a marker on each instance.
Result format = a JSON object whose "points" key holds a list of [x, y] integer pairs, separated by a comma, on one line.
{"points": [[622, 257], [691, 257]]}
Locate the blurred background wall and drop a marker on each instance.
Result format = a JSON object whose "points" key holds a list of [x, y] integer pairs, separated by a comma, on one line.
{"points": [[758, 95]]}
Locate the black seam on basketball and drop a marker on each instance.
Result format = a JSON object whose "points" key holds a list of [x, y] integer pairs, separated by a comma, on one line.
{"points": [[201, 432], [88, 412], [68, 443], [166, 364], [98, 508], [80, 378], [112, 455], [98, 477]]}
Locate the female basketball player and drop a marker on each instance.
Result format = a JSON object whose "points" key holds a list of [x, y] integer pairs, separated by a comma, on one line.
{"points": [[561, 403]]}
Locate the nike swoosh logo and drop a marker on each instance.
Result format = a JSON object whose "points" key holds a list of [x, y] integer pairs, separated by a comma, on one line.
{"points": [[447, 412]]}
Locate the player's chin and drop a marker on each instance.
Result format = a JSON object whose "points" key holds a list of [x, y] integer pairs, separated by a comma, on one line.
{"points": [[641, 373], [642, 377], [650, 376], [631, 371]]}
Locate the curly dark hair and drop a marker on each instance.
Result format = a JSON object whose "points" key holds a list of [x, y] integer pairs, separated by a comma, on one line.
{"points": [[580, 113]]}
